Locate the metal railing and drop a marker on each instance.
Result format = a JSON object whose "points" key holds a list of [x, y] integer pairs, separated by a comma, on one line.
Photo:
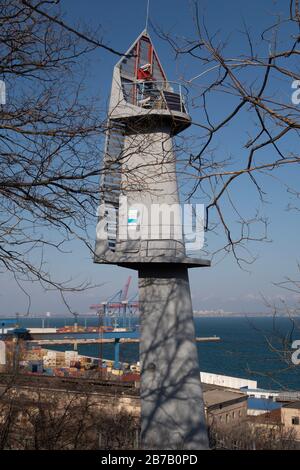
{"points": [[152, 94]]}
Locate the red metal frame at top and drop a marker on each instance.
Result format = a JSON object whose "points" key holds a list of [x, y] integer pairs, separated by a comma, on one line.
{"points": [[151, 55]]}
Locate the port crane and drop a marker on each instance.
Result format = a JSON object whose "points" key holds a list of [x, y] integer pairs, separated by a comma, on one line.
{"points": [[118, 306]]}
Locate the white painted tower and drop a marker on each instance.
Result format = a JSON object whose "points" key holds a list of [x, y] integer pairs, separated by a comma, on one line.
{"points": [[140, 227]]}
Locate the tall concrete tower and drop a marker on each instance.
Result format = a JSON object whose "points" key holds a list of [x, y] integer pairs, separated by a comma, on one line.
{"points": [[140, 227]]}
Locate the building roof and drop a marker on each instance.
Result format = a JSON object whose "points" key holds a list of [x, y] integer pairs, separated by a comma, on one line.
{"points": [[295, 405], [216, 395], [259, 390], [221, 397], [263, 404]]}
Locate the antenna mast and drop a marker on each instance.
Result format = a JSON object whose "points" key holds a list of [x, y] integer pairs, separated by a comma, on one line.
{"points": [[147, 15]]}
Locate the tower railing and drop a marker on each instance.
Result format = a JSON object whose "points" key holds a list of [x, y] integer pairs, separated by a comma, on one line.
{"points": [[155, 94]]}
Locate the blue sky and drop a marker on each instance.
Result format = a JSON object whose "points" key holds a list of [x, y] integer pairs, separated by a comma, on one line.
{"points": [[224, 285]]}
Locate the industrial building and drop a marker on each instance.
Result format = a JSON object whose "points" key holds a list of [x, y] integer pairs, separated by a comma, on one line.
{"points": [[224, 407], [284, 419], [290, 417]]}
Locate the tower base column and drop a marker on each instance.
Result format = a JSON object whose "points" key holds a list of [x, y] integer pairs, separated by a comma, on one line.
{"points": [[172, 410]]}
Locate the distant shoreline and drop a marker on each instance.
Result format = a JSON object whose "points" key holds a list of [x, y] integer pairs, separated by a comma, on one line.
{"points": [[239, 315]]}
